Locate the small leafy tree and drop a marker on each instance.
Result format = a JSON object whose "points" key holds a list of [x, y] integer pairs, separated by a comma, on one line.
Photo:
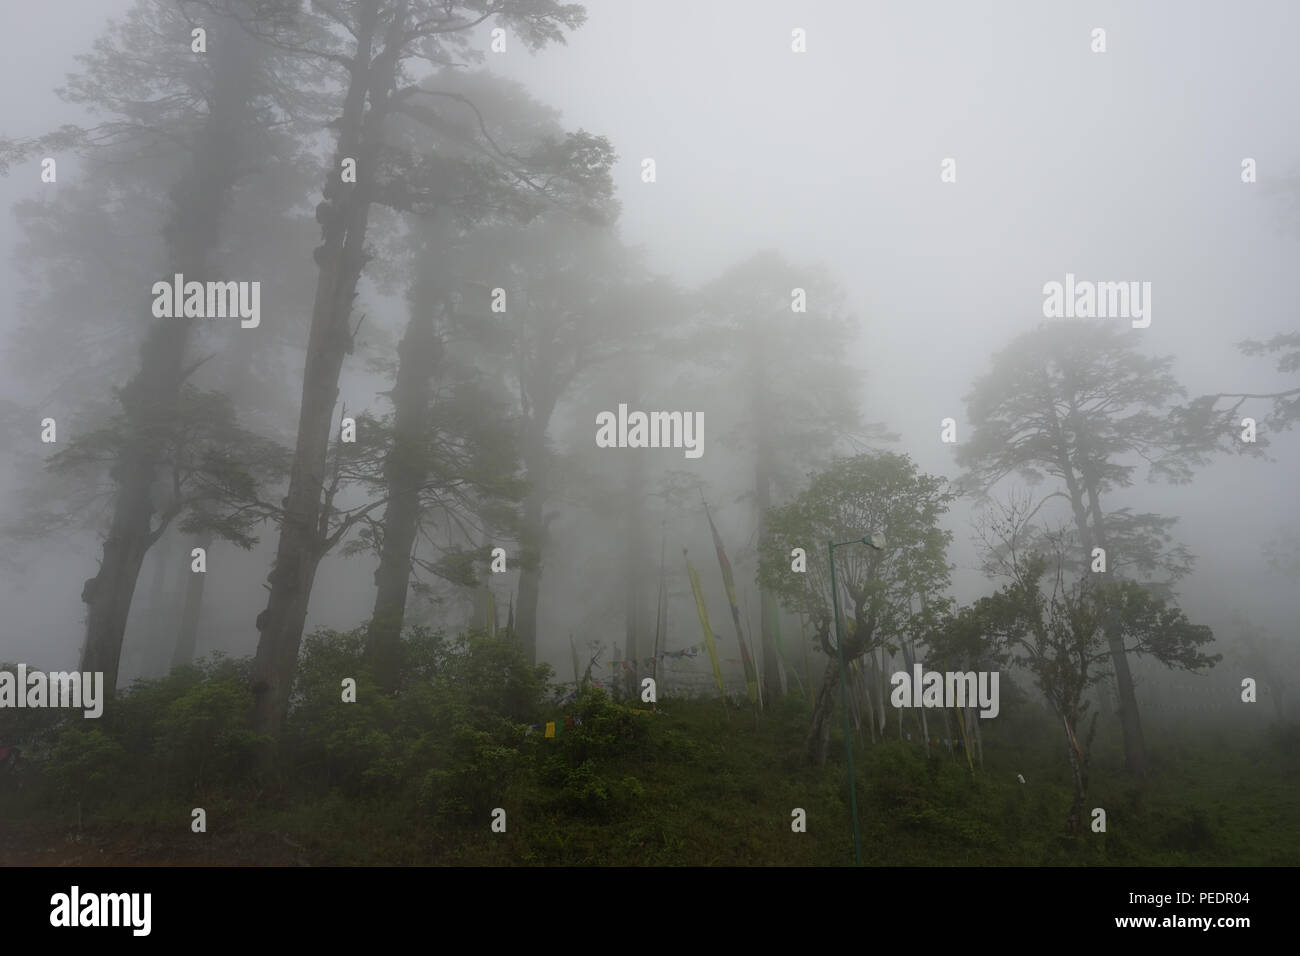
{"points": [[1057, 624], [868, 493]]}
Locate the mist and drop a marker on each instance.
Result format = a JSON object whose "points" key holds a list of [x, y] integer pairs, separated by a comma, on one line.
{"points": [[810, 244]]}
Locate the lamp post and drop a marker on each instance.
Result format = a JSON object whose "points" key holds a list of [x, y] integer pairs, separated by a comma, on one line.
{"points": [[876, 541]]}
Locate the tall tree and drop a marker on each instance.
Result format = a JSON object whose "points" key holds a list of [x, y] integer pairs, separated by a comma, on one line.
{"points": [[267, 228], [635, 541], [780, 331], [445, 463], [1076, 401], [106, 235], [575, 300], [374, 43], [216, 104], [486, 114]]}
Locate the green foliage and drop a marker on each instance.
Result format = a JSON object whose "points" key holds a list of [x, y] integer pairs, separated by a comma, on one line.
{"points": [[31, 728], [584, 761], [589, 792], [882, 492], [1118, 403], [205, 736], [178, 735], [462, 459], [473, 778], [691, 786], [448, 738], [87, 763], [213, 467], [608, 729], [1154, 626]]}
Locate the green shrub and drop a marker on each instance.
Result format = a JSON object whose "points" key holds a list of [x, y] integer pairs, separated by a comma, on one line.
{"points": [[450, 733], [86, 765], [205, 736]]}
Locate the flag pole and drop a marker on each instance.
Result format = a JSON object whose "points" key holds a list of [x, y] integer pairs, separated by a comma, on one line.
{"points": [[659, 610], [729, 584], [707, 628], [749, 620]]}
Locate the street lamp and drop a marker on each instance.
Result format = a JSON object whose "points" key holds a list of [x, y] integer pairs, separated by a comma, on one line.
{"points": [[875, 540]]}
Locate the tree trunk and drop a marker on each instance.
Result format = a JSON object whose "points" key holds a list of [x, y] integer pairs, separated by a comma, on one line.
{"points": [[1078, 773], [881, 687], [188, 637], [630, 623], [405, 472], [341, 257], [866, 701], [159, 623], [1075, 820], [530, 591], [1130, 719], [763, 468], [634, 546], [532, 537], [1093, 535], [108, 594], [763, 501], [533, 531], [819, 734]]}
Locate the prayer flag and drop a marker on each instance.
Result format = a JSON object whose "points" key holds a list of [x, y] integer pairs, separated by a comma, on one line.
{"points": [[704, 623], [751, 676]]}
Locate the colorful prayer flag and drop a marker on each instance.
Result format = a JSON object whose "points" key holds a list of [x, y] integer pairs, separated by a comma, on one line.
{"points": [[751, 677], [704, 623]]}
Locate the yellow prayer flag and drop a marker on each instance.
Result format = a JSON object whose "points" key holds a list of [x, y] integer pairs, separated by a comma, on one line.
{"points": [[704, 623]]}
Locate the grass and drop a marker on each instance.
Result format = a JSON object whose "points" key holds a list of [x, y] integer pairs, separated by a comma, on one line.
{"points": [[692, 785]]}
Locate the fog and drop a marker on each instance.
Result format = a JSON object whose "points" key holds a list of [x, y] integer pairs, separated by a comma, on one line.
{"points": [[1124, 165]]}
